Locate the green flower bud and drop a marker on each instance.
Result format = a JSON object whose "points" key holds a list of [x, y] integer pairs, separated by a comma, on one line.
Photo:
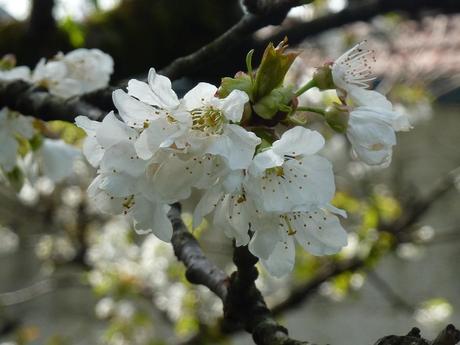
{"points": [[323, 78], [7, 62], [337, 117]]}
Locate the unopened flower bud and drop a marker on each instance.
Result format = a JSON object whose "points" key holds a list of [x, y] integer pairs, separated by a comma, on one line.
{"points": [[323, 78], [7, 62], [337, 117]]}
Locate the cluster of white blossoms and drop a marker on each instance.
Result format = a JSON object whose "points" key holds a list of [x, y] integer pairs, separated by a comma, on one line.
{"points": [[372, 122], [265, 187], [66, 75], [75, 73], [161, 147]]}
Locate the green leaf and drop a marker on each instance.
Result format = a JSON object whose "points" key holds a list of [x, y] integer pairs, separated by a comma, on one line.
{"points": [[272, 70], [74, 30], [241, 82]]}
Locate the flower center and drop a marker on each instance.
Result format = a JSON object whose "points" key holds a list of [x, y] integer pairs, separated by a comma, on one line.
{"points": [[278, 171], [209, 120]]}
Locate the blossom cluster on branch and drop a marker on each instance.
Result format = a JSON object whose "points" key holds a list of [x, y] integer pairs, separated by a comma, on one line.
{"points": [[26, 147], [243, 147]]}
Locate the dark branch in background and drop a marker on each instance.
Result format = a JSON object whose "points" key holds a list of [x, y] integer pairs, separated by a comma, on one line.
{"points": [[388, 292], [42, 29], [41, 20], [359, 11], [39, 288], [30, 100], [261, 13]]}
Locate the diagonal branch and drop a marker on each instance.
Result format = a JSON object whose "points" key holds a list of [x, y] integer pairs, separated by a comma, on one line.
{"points": [[261, 13], [199, 270], [355, 12], [21, 96]]}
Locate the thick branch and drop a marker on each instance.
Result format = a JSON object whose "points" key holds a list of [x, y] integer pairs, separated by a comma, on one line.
{"points": [[29, 100], [246, 307], [262, 13], [199, 270]]}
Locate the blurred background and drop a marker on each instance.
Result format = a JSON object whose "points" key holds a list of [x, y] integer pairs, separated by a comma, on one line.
{"points": [[69, 275]]}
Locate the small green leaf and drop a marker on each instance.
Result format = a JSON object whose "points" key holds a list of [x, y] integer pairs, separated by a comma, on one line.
{"points": [[241, 82], [272, 70]]}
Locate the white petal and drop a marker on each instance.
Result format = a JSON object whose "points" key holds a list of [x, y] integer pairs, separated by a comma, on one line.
{"points": [[236, 145], [266, 236], [299, 141], [159, 133], [234, 218], [112, 131], [122, 158], [175, 177], [265, 160], [93, 151], [233, 105], [282, 259], [8, 152], [89, 126], [133, 112], [206, 204], [302, 184], [161, 87], [150, 216], [363, 97], [319, 232], [103, 201], [118, 185], [57, 159], [199, 96]]}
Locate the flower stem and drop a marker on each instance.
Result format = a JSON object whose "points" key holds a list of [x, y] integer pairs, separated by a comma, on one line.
{"points": [[312, 110], [311, 84]]}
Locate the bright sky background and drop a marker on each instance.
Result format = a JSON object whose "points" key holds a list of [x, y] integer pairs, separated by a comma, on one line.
{"points": [[77, 9]]}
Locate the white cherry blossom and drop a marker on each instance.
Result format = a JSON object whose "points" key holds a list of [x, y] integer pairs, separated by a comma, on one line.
{"points": [[290, 176], [353, 68], [319, 232], [372, 125], [214, 124], [56, 159], [75, 73], [20, 72], [12, 124]]}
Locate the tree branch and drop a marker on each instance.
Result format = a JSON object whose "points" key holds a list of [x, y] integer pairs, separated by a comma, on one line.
{"points": [[199, 270], [21, 96], [261, 13], [246, 307], [357, 11]]}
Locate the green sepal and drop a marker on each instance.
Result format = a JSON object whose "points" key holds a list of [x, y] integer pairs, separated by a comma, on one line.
{"points": [[267, 138], [24, 145], [15, 178], [242, 82], [7, 62], [36, 142], [272, 70], [278, 100], [337, 118]]}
